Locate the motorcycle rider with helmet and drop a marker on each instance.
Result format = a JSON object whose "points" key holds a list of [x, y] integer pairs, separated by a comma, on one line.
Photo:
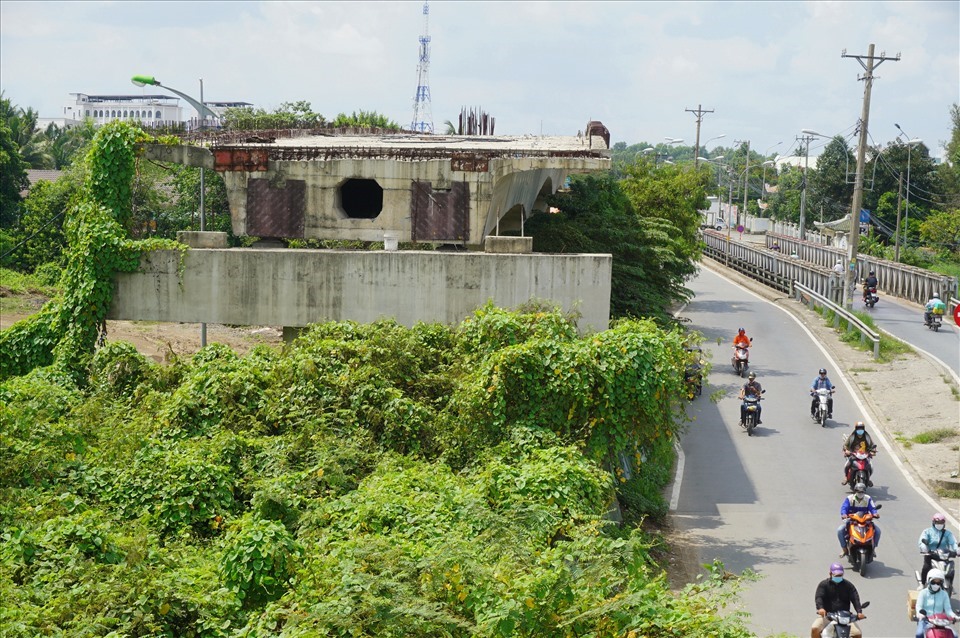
{"points": [[869, 282], [857, 503], [836, 594], [933, 307], [933, 599], [822, 381], [741, 340], [935, 537], [752, 386], [858, 440]]}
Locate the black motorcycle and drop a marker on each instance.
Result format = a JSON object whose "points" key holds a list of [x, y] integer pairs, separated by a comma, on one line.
{"points": [[693, 374], [751, 411]]}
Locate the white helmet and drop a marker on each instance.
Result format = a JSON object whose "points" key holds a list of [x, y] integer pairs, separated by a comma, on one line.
{"points": [[936, 295], [934, 574]]}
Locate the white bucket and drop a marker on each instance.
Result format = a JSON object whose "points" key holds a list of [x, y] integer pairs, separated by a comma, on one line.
{"points": [[389, 241]]}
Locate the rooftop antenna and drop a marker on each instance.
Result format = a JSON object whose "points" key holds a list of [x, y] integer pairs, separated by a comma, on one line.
{"points": [[422, 112]]}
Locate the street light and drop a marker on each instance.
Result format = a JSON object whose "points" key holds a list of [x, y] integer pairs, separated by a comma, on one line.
{"points": [[906, 217], [763, 180], [203, 112], [808, 135], [202, 109]]}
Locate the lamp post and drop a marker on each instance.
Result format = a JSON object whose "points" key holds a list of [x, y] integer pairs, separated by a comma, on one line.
{"points": [[202, 109], [203, 112], [763, 180], [807, 136], [906, 209], [716, 161]]}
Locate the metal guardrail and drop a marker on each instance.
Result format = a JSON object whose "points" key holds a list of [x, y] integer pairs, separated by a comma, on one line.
{"points": [[772, 268], [896, 279], [814, 299]]}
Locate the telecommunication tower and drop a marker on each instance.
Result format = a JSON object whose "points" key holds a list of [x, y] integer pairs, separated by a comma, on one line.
{"points": [[422, 113]]}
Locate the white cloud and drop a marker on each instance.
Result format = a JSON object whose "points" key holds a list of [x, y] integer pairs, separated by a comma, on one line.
{"points": [[765, 69]]}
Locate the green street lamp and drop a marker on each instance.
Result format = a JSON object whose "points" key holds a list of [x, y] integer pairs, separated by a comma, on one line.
{"points": [[204, 113], [202, 109]]}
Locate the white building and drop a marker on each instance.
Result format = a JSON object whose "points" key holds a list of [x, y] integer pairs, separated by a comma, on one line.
{"points": [[150, 110]]}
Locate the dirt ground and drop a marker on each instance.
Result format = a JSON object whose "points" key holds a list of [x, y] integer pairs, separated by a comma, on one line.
{"points": [[906, 397]]}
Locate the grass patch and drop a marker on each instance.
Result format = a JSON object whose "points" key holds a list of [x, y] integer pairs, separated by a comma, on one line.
{"points": [[935, 436], [18, 283], [890, 348], [863, 369], [944, 492]]}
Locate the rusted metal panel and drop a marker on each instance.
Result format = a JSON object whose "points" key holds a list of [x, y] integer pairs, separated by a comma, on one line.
{"points": [[276, 212], [470, 162], [440, 215], [240, 159]]}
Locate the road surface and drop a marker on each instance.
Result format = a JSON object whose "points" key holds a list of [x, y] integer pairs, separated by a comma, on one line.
{"points": [[770, 502], [904, 320]]}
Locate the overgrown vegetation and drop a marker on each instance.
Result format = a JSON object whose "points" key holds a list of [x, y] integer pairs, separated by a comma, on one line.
{"points": [[65, 331], [366, 480]]}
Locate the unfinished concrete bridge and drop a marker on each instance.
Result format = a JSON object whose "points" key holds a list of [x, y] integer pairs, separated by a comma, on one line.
{"points": [[462, 191]]}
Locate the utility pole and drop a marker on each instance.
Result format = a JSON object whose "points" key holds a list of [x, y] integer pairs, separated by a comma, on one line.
{"points": [[896, 252], [803, 193], [696, 149], [746, 185], [872, 62]]}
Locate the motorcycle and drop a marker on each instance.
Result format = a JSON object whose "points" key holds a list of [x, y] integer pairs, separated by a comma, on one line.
{"points": [[840, 622], [940, 559], [870, 297], [860, 533], [934, 322], [938, 626], [751, 404], [693, 374], [823, 406], [741, 359], [859, 471]]}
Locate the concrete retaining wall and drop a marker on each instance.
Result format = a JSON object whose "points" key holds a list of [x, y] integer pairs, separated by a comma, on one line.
{"points": [[294, 288]]}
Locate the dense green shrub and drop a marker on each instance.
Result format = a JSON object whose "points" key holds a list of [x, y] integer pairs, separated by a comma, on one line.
{"points": [[259, 560]]}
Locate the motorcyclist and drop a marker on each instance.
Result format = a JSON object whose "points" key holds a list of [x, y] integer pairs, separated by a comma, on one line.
{"points": [[933, 307], [869, 282], [858, 440], [822, 381], [836, 594], [752, 386], [856, 503], [933, 599], [741, 340], [935, 537]]}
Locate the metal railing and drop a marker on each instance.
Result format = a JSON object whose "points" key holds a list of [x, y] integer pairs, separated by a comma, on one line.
{"points": [[775, 269], [813, 299], [896, 279]]}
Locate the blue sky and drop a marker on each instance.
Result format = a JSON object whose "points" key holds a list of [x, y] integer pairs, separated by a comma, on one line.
{"points": [[765, 69]]}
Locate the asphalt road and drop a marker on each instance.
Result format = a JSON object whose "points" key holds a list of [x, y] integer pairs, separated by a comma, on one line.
{"points": [[905, 321], [770, 503]]}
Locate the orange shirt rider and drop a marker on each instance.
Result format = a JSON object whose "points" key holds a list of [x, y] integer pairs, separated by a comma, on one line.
{"points": [[741, 340]]}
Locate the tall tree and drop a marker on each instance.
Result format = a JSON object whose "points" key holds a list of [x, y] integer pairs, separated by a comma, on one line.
{"points": [[651, 255], [13, 178], [830, 185]]}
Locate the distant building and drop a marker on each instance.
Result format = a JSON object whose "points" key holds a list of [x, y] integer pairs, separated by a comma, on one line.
{"points": [[150, 110], [40, 174]]}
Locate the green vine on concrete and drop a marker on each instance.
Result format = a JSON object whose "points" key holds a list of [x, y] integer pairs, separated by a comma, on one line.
{"points": [[64, 333]]}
